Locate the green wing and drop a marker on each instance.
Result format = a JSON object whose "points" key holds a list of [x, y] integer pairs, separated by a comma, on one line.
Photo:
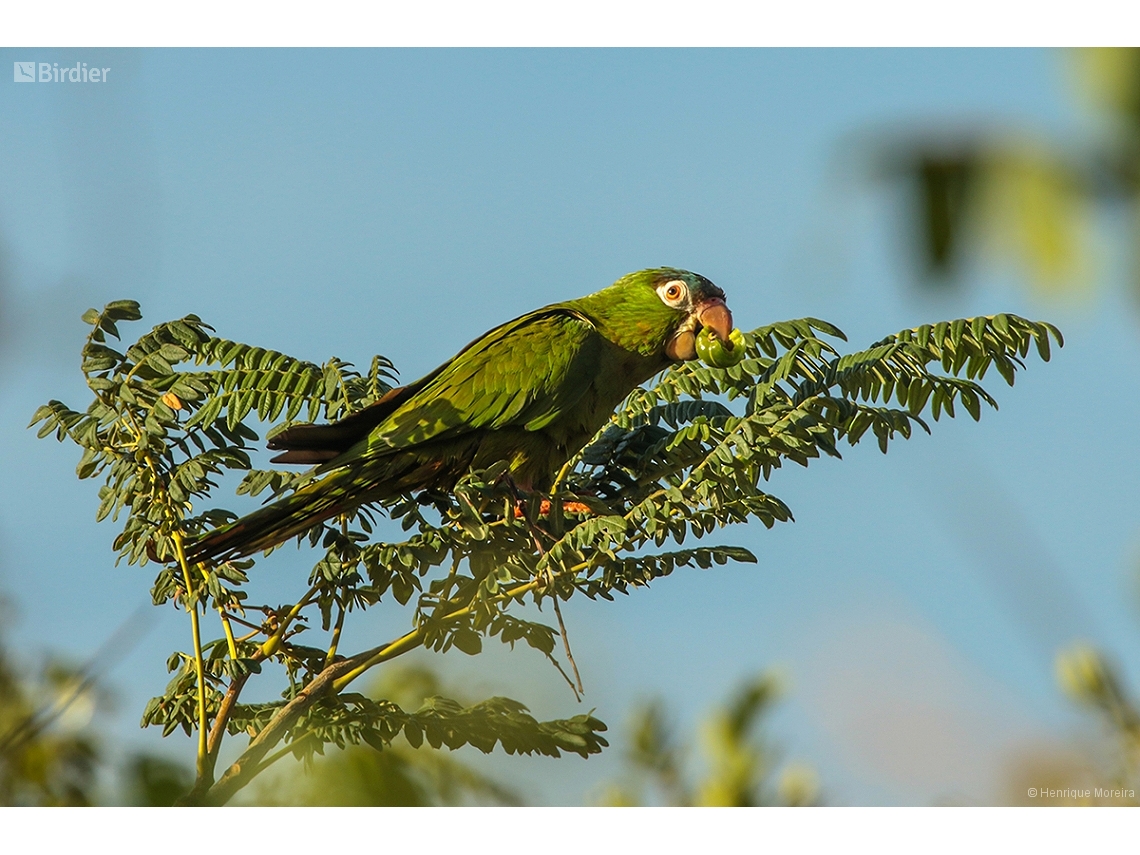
{"points": [[525, 373]]}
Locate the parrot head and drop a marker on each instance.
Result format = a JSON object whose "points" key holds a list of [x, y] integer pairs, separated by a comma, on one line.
{"points": [[661, 311], [700, 304]]}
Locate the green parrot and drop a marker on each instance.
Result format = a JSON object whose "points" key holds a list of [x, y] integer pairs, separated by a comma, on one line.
{"points": [[531, 392]]}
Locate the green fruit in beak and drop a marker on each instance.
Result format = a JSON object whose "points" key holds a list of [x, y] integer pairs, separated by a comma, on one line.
{"points": [[717, 353]]}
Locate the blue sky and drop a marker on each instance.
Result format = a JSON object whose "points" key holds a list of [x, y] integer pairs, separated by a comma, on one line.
{"points": [[404, 201]]}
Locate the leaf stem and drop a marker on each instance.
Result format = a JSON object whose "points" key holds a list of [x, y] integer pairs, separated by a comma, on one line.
{"points": [[199, 664], [335, 637], [229, 633], [252, 626], [413, 639], [579, 689], [548, 579], [274, 641], [563, 473]]}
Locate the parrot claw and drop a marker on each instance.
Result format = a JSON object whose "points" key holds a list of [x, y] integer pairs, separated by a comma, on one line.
{"points": [[569, 507]]}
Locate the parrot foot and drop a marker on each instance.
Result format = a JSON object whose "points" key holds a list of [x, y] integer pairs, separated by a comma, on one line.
{"points": [[569, 506]]}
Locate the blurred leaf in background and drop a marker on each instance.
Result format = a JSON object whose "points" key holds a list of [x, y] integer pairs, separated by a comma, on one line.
{"points": [[1050, 209], [1034, 215], [1012, 201], [1014, 198], [1093, 681], [48, 753], [740, 769], [397, 775], [50, 756], [1102, 772], [152, 781]]}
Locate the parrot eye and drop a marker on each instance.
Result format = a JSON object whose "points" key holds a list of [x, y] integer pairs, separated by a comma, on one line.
{"points": [[673, 293]]}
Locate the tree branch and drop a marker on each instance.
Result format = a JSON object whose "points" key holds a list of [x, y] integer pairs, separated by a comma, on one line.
{"points": [[330, 681], [249, 763]]}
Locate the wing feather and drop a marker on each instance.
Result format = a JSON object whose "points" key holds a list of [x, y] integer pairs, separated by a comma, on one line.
{"points": [[525, 373]]}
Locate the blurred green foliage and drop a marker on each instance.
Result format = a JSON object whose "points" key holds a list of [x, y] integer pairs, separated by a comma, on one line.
{"points": [[1024, 200], [398, 775], [46, 759], [152, 781], [1015, 198], [740, 768], [1090, 679]]}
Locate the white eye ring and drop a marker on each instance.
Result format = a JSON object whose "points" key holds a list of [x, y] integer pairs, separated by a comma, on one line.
{"points": [[673, 292]]}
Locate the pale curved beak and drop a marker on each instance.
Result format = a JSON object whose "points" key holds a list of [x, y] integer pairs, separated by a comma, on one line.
{"points": [[711, 313], [714, 315]]}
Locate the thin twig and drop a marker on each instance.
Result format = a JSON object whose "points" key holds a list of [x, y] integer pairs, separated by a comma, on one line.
{"points": [[229, 701], [229, 633], [331, 680], [558, 667], [242, 770], [256, 629], [199, 664], [576, 687], [331, 655], [579, 690], [274, 641]]}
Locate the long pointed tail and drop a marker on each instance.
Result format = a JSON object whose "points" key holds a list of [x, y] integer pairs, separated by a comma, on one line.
{"points": [[436, 465], [277, 522]]}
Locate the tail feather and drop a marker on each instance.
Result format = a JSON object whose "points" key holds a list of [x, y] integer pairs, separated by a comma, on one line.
{"points": [[275, 523], [305, 443], [340, 491]]}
